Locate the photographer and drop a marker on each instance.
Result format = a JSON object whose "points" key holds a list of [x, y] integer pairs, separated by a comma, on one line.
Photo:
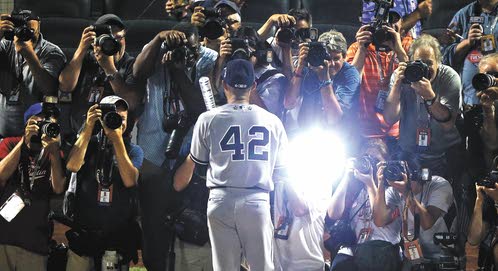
{"points": [[476, 24], [489, 132], [271, 83], [94, 73], [29, 70], [373, 247], [30, 170], [226, 22], [324, 88], [483, 224], [166, 78], [413, 12], [418, 193], [107, 167], [425, 98], [376, 63]]}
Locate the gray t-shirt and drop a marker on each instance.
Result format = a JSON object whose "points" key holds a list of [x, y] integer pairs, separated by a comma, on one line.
{"points": [[242, 144], [14, 73], [437, 193], [414, 114]]}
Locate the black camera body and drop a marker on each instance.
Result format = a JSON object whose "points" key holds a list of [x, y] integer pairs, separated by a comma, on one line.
{"points": [[393, 171], [483, 81], [183, 53], [381, 19], [110, 116], [240, 49], [287, 34], [365, 163], [21, 28], [46, 126], [415, 71], [317, 54], [214, 25], [105, 39], [489, 180], [49, 128]]}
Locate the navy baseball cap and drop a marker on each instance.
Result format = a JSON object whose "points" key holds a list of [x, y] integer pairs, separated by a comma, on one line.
{"points": [[112, 20], [33, 110], [239, 73], [228, 3]]}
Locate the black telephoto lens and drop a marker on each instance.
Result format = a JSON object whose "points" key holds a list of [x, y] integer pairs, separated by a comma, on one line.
{"points": [[482, 81]]}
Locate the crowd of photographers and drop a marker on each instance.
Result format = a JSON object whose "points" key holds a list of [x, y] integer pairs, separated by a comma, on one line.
{"points": [[417, 118]]}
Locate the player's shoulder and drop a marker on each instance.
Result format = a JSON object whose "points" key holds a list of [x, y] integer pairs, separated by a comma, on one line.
{"points": [[208, 115]]}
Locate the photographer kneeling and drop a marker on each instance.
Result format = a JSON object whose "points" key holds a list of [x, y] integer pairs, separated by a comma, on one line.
{"points": [[30, 169], [423, 199], [107, 168], [363, 245]]}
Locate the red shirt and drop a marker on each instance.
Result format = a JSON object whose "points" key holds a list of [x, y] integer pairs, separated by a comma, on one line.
{"points": [[372, 123]]}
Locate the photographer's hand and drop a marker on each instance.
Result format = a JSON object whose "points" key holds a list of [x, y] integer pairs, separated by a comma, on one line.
{"points": [[25, 48], [399, 75], [278, 20], [486, 101], [364, 37], [93, 114], [5, 25], [424, 89], [492, 192], [304, 49], [31, 130], [225, 50], [323, 71], [105, 62], [172, 38], [198, 18], [475, 33], [87, 38], [396, 44], [51, 145], [115, 135], [478, 228]]}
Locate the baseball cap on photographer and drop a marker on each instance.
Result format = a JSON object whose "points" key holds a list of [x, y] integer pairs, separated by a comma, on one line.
{"points": [[33, 110], [239, 73], [116, 100], [112, 20], [229, 4]]}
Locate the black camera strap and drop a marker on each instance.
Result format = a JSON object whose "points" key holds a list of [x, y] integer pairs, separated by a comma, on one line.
{"points": [[105, 161]]}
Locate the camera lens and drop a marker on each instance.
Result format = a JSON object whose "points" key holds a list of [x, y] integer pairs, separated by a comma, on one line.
{"points": [[482, 81], [393, 172], [317, 54], [113, 120], [109, 45], [415, 71], [50, 129], [24, 33], [380, 36], [286, 35], [363, 165]]}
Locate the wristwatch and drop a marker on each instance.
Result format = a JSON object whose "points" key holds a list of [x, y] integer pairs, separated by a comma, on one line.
{"points": [[430, 102], [111, 76]]}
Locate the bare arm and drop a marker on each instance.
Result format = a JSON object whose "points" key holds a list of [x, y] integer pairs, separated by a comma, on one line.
{"points": [[488, 131], [9, 164], [42, 78], [275, 20], [478, 228], [292, 94], [338, 200], [463, 48], [183, 174], [363, 38], [423, 11], [392, 106], [68, 79], [128, 172]]}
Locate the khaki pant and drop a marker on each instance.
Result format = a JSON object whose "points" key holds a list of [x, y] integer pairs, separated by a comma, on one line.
{"points": [[76, 262], [14, 258], [192, 257]]}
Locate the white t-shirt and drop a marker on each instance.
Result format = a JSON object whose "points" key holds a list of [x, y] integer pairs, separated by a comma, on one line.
{"points": [[364, 218], [303, 250], [437, 193]]}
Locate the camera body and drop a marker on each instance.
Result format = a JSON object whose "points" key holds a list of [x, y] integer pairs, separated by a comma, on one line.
{"points": [[240, 48], [489, 180], [415, 71], [110, 116], [105, 39], [393, 171], [46, 126], [21, 28], [317, 53], [365, 163], [183, 53], [381, 19], [483, 81], [214, 25]]}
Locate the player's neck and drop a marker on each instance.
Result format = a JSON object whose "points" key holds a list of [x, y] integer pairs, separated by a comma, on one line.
{"points": [[236, 99]]}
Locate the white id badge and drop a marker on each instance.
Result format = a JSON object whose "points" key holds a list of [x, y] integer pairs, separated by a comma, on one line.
{"points": [[11, 207]]}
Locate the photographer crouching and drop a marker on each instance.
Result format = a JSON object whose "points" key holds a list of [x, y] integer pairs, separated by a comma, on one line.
{"points": [[107, 167], [359, 242], [31, 169]]}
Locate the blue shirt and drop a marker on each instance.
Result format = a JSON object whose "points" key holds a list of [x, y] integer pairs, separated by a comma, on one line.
{"points": [[346, 85], [405, 7], [461, 25], [151, 136]]}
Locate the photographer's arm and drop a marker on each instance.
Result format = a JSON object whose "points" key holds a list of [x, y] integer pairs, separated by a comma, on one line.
{"points": [[478, 228], [275, 20], [183, 174], [381, 213], [128, 172], [68, 79], [392, 106], [428, 216], [145, 62], [488, 131], [76, 157], [294, 91], [331, 105], [423, 11], [338, 200], [57, 174], [462, 49], [42, 78]]}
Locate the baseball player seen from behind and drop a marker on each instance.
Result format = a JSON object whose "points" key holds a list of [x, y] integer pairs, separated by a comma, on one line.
{"points": [[243, 145]]}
